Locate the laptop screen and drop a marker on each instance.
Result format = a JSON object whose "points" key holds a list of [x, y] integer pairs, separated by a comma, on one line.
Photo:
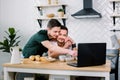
{"points": [[91, 54]]}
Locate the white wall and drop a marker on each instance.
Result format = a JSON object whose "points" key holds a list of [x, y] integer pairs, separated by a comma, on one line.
{"points": [[22, 15], [19, 14]]}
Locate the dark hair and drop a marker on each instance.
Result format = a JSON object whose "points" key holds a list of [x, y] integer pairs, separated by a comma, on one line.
{"points": [[64, 28], [53, 23]]}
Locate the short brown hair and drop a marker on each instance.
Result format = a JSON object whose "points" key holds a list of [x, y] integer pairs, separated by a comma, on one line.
{"points": [[53, 23], [64, 28]]}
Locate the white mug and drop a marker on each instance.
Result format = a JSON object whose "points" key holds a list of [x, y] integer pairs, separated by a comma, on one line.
{"points": [[62, 57]]}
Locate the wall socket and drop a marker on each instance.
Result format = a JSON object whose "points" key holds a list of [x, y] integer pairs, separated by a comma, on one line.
{"points": [[29, 78]]}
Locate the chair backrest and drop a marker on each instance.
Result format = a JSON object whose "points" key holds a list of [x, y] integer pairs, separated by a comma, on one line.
{"points": [[115, 42], [113, 55]]}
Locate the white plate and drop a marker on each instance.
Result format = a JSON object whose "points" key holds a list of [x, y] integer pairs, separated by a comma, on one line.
{"points": [[50, 59]]}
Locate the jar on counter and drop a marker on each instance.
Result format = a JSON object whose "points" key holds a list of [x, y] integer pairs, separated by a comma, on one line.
{"points": [[49, 1], [56, 1]]}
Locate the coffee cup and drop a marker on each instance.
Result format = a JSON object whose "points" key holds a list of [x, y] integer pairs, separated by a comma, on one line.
{"points": [[62, 57]]}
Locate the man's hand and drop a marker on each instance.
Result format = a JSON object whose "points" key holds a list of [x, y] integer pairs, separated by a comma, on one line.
{"points": [[67, 44], [69, 39], [73, 53]]}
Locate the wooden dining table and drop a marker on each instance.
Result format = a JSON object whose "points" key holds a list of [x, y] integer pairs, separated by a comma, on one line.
{"points": [[56, 68]]}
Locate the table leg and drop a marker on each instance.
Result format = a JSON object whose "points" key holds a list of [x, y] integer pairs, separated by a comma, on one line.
{"points": [[8, 75], [107, 77]]}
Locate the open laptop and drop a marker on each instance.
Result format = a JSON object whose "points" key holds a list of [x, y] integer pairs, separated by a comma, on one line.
{"points": [[90, 54]]}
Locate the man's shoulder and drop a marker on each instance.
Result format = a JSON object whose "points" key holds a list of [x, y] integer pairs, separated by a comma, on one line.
{"points": [[42, 32], [41, 35]]}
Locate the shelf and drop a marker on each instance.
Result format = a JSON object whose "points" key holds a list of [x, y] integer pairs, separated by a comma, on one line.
{"points": [[52, 5], [114, 0], [115, 15], [46, 18], [115, 30], [43, 17]]}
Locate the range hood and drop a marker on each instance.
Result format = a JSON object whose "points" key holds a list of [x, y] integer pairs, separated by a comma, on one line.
{"points": [[87, 11]]}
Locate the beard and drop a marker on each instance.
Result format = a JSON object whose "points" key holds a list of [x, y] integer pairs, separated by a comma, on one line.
{"points": [[61, 44]]}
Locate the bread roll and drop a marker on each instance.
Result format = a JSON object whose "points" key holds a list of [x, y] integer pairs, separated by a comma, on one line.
{"points": [[43, 59], [37, 58], [32, 58], [50, 15]]}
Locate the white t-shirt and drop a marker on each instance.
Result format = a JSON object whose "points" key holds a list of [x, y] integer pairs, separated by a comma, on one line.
{"points": [[55, 43], [65, 55]]}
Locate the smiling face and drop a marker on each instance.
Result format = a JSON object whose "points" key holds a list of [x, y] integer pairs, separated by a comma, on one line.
{"points": [[63, 34], [53, 32]]}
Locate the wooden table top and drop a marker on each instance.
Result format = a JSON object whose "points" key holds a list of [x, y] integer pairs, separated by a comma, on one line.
{"points": [[58, 65]]}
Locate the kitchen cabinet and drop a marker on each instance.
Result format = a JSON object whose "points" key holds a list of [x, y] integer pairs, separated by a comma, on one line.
{"points": [[115, 11], [42, 18]]}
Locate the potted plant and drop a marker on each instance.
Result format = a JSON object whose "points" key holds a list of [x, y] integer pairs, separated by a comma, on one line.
{"points": [[60, 12], [9, 41]]}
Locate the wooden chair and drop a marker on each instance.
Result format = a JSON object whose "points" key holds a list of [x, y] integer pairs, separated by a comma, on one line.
{"points": [[113, 55], [115, 42]]}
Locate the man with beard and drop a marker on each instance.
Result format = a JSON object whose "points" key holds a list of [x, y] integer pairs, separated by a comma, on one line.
{"points": [[40, 42], [64, 41]]}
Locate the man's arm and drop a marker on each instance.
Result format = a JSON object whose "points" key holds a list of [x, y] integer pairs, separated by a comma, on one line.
{"points": [[53, 54], [67, 44], [58, 49]]}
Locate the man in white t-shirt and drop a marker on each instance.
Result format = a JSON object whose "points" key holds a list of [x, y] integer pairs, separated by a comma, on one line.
{"points": [[63, 41]]}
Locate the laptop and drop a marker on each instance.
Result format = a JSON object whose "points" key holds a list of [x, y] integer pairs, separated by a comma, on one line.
{"points": [[90, 54]]}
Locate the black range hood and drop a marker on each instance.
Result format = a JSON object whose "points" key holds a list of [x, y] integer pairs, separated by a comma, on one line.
{"points": [[87, 11]]}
